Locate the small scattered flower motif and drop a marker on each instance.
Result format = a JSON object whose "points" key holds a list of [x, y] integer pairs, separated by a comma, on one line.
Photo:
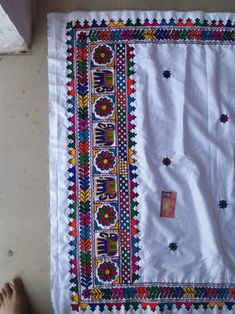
{"points": [[173, 246], [104, 107], [166, 161], [166, 74], [223, 204], [107, 271], [224, 118], [106, 215], [105, 160], [103, 54]]}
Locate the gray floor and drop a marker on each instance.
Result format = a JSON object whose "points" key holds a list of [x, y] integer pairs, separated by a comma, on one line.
{"points": [[24, 223]]}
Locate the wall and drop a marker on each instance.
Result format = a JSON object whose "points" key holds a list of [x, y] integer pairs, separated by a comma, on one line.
{"points": [[10, 39], [15, 25]]}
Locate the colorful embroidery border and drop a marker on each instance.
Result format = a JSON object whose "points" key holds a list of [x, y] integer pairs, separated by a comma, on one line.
{"points": [[144, 295], [189, 31], [83, 254], [124, 176]]}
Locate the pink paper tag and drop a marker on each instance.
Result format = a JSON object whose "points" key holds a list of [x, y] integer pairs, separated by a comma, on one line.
{"points": [[168, 202]]}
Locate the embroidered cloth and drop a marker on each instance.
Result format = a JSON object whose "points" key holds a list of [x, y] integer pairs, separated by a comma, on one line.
{"points": [[142, 145]]}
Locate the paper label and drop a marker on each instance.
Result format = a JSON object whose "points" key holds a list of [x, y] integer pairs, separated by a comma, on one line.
{"points": [[168, 202]]}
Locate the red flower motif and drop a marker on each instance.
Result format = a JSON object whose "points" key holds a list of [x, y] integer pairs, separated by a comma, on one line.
{"points": [[104, 107], [107, 271], [103, 54], [106, 215], [105, 160], [86, 293]]}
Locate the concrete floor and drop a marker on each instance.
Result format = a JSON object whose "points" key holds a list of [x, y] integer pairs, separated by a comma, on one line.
{"points": [[24, 223]]}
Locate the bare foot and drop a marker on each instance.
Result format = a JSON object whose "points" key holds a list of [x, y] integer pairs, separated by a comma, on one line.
{"points": [[12, 298]]}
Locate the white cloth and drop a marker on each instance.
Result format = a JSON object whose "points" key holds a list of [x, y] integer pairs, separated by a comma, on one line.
{"points": [[176, 117], [179, 118]]}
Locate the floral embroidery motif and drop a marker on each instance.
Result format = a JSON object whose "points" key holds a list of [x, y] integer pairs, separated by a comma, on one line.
{"points": [[223, 204], [104, 107], [106, 244], [224, 118], [173, 246], [166, 74], [107, 272], [103, 54], [105, 160], [106, 216], [166, 161]]}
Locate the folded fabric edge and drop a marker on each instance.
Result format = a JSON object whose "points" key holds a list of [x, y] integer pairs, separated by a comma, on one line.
{"points": [[58, 167], [150, 14]]}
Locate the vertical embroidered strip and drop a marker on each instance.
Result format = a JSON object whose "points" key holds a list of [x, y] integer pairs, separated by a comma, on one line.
{"points": [[98, 250]]}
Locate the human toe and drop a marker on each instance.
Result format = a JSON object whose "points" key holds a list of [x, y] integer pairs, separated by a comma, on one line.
{"points": [[16, 284], [3, 293], [1, 299], [7, 289]]}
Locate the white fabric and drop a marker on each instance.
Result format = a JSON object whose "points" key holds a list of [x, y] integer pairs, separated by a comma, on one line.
{"points": [[58, 167], [176, 117], [179, 117]]}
